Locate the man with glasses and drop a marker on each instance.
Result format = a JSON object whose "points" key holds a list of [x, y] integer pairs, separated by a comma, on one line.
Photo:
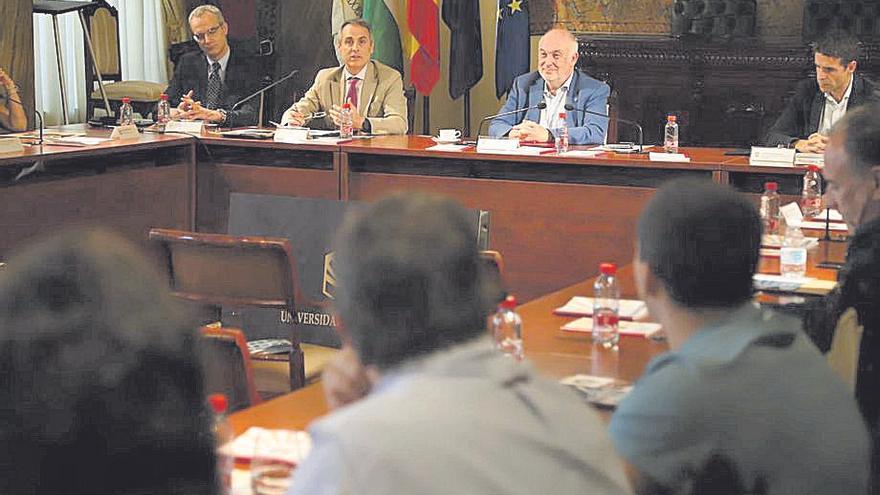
{"points": [[208, 83], [558, 86], [374, 90]]}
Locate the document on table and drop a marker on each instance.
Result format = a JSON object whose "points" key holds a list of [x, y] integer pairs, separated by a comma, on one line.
{"points": [[808, 285], [630, 309], [244, 445], [448, 147], [77, 141], [632, 328], [522, 150], [668, 157], [600, 391]]}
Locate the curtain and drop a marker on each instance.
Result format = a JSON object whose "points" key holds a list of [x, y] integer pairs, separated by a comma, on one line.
{"points": [[143, 47]]}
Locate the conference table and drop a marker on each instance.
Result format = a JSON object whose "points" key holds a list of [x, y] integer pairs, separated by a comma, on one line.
{"points": [[552, 351], [554, 218]]}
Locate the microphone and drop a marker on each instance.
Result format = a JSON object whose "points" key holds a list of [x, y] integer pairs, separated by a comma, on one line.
{"points": [[263, 90], [540, 106], [569, 107]]}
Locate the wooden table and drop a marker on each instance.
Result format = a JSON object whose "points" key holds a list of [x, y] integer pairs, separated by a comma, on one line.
{"points": [[552, 351]]}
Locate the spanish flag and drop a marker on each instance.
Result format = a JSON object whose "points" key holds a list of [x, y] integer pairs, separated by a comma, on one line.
{"points": [[423, 44]]}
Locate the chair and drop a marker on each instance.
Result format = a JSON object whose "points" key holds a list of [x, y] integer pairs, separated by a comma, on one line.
{"points": [[227, 364], [494, 265], [103, 25], [843, 357], [218, 270]]}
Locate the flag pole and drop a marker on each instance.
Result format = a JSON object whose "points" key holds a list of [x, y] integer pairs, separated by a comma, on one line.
{"points": [[426, 115], [467, 114]]}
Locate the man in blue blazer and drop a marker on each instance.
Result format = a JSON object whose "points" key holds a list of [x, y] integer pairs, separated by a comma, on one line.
{"points": [[557, 84]]}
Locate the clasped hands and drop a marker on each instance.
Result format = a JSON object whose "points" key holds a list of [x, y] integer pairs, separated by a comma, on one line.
{"points": [[816, 143], [530, 131], [297, 119], [189, 109]]}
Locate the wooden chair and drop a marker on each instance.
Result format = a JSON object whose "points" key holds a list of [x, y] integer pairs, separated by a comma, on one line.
{"points": [[494, 264], [103, 25], [228, 367], [218, 270]]}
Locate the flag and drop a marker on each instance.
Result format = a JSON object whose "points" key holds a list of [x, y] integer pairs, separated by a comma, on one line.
{"points": [[423, 49], [386, 35], [466, 50], [511, 43]]}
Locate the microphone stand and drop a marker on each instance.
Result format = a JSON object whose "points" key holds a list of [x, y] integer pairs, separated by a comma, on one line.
{"points": [[569, 107], [540, 106], [260, 93], [827, 262]]}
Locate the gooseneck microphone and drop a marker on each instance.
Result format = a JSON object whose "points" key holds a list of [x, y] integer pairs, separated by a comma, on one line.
{"points": [[540, 106], [263, 90], [569, 107]]}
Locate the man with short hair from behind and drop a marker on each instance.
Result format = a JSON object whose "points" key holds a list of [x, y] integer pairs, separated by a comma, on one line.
{"points": [[739, 382], [447, 412], [819, 102]]}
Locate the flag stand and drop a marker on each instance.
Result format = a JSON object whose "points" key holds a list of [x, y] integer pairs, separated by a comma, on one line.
{"points": [[426, 115], [466, 131]]}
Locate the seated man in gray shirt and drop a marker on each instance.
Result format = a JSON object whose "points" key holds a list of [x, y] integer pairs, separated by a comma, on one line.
{"points": [[447, 413], [739, 382]]}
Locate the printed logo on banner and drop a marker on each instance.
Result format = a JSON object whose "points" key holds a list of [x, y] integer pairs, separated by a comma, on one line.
{"points": [[328, 288]]}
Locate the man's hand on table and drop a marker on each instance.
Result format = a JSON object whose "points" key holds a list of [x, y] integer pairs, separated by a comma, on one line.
{"points": [[814, 144], [530, 131]]}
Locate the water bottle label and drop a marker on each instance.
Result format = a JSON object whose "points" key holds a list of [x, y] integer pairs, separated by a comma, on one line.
{"points": [[793, 256], [605, 319]]}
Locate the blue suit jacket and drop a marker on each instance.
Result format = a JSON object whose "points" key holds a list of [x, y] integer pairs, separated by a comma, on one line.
{"points": [[584, 93]]}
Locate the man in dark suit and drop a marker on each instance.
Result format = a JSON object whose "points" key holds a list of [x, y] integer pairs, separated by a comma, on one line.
{"points": [[818, 103], [208, 83], [557, 84]]}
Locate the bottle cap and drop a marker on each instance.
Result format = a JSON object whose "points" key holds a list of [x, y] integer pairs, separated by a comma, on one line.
{"points": [[607, 268], [671, 118], [163, 96], [346, 105], [218, 402], [562, 115], [126, 100], [813, 168], [771, 186], [509, 302]]}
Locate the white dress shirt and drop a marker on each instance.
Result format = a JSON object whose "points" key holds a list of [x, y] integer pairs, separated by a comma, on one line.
{"points": [[834, 110], [360, 85], [555, 105]]}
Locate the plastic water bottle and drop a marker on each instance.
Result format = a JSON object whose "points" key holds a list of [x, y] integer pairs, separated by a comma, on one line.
{"points": [[507, 329], [345, 124], [126, 114], [793, 255], [163, 110], [606, 306], [562, 136], [670, 135], [223, 434], [811, 196], [770, 209]]}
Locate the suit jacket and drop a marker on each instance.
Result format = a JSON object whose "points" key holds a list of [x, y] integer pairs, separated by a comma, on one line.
{"points": [[242, 79], [803, 113], [381, 95], [462, 420], [584, 93]]}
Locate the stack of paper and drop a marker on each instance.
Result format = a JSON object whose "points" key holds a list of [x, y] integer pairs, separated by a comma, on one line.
{"points": [[630, 328], [583, 306], [599, 390], [243, 447], [808, 285]]}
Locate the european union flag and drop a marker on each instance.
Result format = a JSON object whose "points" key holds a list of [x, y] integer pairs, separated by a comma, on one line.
{"points": [[511, 43]]}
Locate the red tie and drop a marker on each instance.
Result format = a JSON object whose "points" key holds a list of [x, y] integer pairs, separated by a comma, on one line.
{"points": [[352, 96]]}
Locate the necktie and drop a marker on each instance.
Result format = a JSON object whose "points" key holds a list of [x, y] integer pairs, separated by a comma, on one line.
{"points": [[215, 84], [352, 96]]}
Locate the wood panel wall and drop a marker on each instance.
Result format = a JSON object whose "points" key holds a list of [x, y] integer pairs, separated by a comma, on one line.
{"points": [[17, 48]]}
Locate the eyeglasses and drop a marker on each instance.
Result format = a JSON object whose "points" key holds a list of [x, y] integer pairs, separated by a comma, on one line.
{"points": [[207, 34]]}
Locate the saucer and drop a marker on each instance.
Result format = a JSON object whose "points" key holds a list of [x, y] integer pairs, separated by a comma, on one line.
{"points": [[445, 141]]}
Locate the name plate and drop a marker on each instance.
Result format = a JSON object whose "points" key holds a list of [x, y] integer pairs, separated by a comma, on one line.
{"points": [[11, 145], [668, 157], [125, 132], [292, 135], [185, 126], [772, 157], [497, 144]]}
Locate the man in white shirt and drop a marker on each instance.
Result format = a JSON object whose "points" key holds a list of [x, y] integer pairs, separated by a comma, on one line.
{"points": [[374, 90], [819, 103]]}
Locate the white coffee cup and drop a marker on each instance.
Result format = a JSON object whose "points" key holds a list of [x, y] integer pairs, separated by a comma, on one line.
{"points": [[449, 134]]}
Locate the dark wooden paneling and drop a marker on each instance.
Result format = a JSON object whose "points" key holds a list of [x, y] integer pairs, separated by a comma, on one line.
{"points": [[17, 49]]}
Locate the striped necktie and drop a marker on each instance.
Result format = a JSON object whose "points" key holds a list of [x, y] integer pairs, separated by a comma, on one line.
{"points": [[215, 84]]}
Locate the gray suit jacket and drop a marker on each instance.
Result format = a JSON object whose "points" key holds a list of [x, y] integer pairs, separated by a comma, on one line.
{"points": [[382, 97], [466, 420]]}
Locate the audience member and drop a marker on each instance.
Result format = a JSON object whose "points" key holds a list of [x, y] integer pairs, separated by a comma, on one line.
{"points": [[740, 382], [102, 388], [447, 412]]}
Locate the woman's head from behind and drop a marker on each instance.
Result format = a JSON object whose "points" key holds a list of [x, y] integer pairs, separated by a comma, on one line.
{"points": [[102, 388]]}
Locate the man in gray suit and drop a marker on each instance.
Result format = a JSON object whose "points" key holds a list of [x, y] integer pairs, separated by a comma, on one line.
{"points": [[447, 412]]}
